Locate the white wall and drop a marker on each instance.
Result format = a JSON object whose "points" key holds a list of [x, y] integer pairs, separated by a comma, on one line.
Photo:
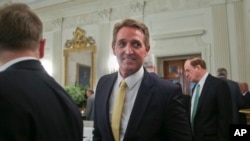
{"points": [[246, 26]]}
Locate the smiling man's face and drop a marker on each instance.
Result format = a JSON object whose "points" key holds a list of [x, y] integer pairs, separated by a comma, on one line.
{"points": [[130, 50]]}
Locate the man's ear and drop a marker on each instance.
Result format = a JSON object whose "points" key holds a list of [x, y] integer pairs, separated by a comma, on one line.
{"points": [[148, 48], [113, 49], [41, 48]]}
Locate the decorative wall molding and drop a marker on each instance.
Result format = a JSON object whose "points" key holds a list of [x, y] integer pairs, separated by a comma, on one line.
{"points": [[104, 14], [137, 8], [221, 37], [116, 11], [156, 6], [53, 25], [179, 34], [79, 20], [240, 44]]}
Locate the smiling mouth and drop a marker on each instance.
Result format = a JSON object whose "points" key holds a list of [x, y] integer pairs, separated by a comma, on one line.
{"points": [[128, 59]]}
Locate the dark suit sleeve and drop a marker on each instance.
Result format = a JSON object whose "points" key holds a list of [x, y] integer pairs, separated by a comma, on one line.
{"points": [[96, 132], [177, 126], [240, 99], [224, 102], [14, 125]]}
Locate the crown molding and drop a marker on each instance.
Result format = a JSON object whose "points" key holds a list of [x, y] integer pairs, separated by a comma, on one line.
{"points": [[179, 34]]}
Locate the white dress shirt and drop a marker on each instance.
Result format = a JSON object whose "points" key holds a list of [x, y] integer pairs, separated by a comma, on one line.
{"points": [[10, 63], [133, 83], [201, 83]]}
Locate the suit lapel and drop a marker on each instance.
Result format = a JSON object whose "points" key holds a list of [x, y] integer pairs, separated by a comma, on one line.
{"points": [[107, 90], [143, 96], [204, 92]]}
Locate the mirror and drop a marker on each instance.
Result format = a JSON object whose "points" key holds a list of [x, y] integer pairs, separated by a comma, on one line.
{"points": [[80, 59]]}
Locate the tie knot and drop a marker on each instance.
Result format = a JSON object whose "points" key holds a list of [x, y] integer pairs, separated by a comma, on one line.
{"points": [[123, 84]]}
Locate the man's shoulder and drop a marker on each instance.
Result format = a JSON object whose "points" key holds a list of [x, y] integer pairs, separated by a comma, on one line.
{"points": [[158, 81], [247, 94], [108, 76], [215, 81], [232, 82]]}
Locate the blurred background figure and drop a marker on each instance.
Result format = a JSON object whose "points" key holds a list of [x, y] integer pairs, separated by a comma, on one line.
{"points": [[237, 98], [246, 95], [149, 64], [90, 105], [246, 98]]}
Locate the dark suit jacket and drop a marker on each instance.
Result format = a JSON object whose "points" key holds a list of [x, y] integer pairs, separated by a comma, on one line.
{"points": [[237, 100], [187, 103], [33, 107], [158, 113], [214, 111], [90, 107], [247, 100]]}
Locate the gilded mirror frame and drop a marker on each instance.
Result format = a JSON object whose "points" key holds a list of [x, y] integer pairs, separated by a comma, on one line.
{"points": [[80, 44]]}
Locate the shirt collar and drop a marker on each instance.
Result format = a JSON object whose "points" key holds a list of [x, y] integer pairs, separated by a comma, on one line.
{"points": [[244, 93], [10, 63], [203, 79], [132, 79]]}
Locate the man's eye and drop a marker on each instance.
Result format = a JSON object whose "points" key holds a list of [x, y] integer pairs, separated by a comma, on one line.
{"points": [[121, 44], [136, 44]]}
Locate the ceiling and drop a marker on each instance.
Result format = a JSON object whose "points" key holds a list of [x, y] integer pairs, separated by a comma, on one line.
{"points": [[34, 4]]}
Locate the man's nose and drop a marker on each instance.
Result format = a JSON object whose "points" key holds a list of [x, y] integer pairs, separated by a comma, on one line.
{"points": [[128, 49]]}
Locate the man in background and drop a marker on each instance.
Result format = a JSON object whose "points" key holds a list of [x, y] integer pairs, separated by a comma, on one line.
{"points": [[33, 107], [211, 105], [246, 98], [237, 98], [90, 105], [246, 95], [149, 64]]}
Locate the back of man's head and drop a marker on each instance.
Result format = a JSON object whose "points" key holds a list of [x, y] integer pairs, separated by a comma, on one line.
{"points": [[245, 87], [222, 72], [91, 91], [20, 28]]}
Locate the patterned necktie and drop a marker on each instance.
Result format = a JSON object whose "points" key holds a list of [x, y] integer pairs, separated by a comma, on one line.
{"points": [[196, 101], [117, 111]]}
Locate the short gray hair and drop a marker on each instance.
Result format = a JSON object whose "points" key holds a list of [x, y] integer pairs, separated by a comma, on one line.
{"points": [[222, 72]]}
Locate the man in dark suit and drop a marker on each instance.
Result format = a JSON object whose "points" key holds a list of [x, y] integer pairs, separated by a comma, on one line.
{"points": [[153, 108], [237, 98], [186, 98], [90, 105], [211, 118], [33, 107], [246, 95], [246, 98]]}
